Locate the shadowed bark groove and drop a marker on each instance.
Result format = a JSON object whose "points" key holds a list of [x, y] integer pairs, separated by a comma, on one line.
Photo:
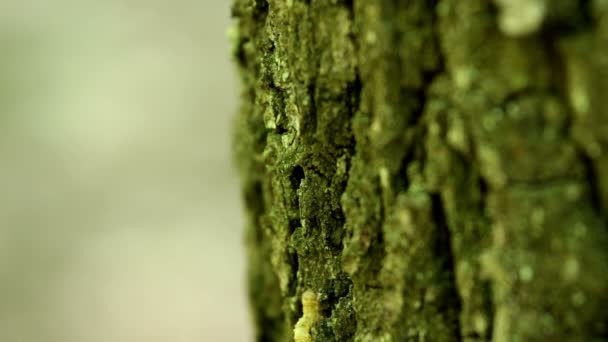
{"points": [[425, 170]]}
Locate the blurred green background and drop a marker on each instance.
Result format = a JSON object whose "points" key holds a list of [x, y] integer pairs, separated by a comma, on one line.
{"points": [[120, 213]]}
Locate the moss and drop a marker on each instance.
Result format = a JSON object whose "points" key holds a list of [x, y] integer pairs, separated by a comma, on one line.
{"points": [[427, 176]]}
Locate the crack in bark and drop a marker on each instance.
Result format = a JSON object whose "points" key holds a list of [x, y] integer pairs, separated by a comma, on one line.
{"points": [[452, 302]]}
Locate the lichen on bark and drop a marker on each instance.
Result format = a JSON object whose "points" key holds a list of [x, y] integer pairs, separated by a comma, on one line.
{"points": [[429, 172]]}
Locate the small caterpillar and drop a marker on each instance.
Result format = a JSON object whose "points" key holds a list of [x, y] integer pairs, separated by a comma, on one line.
{"points": [[310, 314]]}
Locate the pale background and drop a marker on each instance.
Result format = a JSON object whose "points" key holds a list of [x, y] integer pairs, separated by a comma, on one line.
{"points": [[120, 216]]}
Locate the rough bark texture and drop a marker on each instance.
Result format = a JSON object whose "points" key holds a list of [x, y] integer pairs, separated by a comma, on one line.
{"points": [[425, 170]]}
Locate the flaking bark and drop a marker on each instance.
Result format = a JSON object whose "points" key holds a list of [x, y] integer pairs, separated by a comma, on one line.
{"points": [[429, 170]]}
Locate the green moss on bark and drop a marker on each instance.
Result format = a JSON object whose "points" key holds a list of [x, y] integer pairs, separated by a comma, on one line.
{"points": [[427, 172]]}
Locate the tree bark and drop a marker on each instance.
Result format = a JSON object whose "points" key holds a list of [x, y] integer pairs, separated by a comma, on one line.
{"points": [[418, 170]]}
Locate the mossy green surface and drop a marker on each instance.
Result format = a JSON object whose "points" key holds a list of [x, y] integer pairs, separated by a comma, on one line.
{"points": [[427, 173]]}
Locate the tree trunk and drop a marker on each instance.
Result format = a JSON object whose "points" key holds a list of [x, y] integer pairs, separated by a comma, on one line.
{"points": [[418, 170]]}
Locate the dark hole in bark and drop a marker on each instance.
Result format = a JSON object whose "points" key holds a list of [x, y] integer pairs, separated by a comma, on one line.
{"points": [[293, 277], [293, 224], [261, 9], [281, 130], [297, 174]]}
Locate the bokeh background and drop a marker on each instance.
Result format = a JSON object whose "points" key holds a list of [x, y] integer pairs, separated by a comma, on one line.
{"points": [[120, 216]]}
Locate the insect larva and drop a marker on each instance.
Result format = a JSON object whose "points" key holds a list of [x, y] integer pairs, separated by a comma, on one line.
{"points": [[310, 313]]}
